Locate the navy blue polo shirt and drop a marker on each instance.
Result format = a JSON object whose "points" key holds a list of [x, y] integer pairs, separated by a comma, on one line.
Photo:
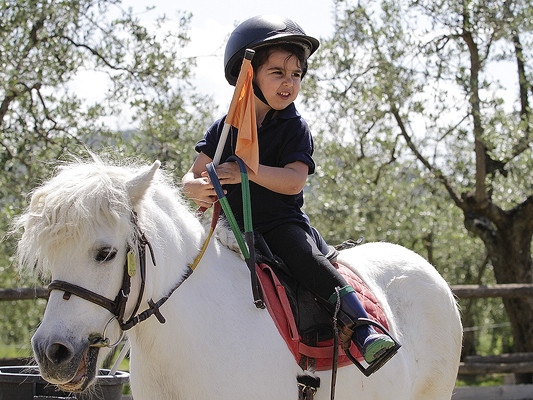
{"points": [[284, 137]]}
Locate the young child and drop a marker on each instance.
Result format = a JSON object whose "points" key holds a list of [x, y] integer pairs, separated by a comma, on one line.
{"points": [[285, 159]]}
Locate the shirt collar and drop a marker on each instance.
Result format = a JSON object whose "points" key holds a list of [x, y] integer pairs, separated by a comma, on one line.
{"points": [[288, 112]]}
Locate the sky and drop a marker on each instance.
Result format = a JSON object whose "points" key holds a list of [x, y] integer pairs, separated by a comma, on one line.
{"points": [[211, 23]]}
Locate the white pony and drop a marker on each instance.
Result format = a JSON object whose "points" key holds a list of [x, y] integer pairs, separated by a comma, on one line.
{"points": [[215, 344]]}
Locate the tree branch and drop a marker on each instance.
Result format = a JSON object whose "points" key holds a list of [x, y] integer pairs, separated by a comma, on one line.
{"points": [[524, 86], [95, 53], [475, 104], [5, 105], [524, 211], [392, 159], [435, 171], [13, 94]]}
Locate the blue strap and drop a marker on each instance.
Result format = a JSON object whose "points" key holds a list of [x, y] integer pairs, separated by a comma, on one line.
{"points": [[245, 187], [227, 209]]}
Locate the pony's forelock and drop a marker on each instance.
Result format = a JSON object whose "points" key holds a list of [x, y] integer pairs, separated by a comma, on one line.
{"points": [[79, 198]]}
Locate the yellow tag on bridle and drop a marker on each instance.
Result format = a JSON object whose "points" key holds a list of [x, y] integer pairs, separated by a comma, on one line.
{"points": [[132, 264]]}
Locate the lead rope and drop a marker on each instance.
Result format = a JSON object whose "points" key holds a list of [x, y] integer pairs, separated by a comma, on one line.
{"points": [[335, 344], [214, 220]]}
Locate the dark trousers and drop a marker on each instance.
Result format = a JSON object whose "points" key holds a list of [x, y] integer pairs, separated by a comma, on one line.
{"points": [[298, 249]]}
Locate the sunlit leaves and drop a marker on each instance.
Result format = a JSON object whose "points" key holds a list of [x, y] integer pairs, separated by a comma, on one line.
{"points": [[50, 53], [401, 92]]}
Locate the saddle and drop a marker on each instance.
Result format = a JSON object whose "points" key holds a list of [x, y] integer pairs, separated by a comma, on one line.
{"points": [[304, 320]]}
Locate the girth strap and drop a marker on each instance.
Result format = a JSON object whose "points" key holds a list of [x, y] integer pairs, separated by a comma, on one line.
{"points": [[307, 386]]}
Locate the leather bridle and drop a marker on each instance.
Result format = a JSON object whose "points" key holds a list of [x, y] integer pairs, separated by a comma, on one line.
{"points": [[117, 306]]}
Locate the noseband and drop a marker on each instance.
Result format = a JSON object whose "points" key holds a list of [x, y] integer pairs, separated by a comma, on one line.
{"points": [[118, 305]]}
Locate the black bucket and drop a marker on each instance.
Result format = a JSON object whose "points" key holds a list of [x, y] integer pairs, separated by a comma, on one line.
{"points": [[26, 383]]}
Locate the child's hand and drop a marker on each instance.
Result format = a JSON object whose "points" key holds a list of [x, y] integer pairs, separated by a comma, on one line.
{"points": [[197, 185], [200, 190], [228, 173]]}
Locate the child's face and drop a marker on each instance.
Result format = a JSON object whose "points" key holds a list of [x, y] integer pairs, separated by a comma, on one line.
{"points": [[279, 79]]}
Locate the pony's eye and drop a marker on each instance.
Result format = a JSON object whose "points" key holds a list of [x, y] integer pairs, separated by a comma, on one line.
{"points": [[105, 254]]}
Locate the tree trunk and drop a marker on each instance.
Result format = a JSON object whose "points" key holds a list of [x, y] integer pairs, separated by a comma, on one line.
{"points": [[507, 236]]}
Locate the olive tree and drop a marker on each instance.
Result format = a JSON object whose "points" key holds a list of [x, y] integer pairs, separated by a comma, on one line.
{"points": [[447, 84], [47, 46]]}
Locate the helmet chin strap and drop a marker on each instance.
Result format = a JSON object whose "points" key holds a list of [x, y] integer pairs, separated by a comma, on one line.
{"points": [[259, 94]]}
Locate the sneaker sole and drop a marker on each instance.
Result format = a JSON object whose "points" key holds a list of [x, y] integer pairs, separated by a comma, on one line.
{"points": [[381, 347]]}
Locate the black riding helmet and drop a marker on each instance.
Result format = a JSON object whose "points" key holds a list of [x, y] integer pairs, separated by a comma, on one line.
{"points": [[263, 30]]}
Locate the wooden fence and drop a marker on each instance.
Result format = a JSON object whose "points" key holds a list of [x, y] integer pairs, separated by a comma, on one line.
{"points": [[505, 363], [472, 365], [461, 291], [500, 290], [24, 293]]}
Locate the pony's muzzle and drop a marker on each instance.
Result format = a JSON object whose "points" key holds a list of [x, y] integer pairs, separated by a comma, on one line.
{"points": [[59, 353], [57, 359]]}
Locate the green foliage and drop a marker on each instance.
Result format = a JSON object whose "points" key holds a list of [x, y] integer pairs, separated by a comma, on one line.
{"points": [[403, 94], [46, 48]]}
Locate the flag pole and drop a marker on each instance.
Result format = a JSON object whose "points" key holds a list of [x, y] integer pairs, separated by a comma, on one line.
{"points": [[248, 55]]}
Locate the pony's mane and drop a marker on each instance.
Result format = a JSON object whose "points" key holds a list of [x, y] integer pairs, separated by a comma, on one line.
{"points": [[81, 196]]}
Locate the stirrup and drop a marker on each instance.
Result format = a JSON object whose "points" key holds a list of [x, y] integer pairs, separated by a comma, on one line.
{"points": [[381, 360]]}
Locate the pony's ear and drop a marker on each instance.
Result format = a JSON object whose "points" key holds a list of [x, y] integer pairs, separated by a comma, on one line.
{"points": [[137, 185]]}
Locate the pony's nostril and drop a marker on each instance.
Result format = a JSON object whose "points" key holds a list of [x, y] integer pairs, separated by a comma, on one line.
{"points": [[58, 353]]}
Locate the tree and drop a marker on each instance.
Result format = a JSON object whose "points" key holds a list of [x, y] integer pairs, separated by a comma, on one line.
{"points": [[353, 195], [44, 46], [432, 81]]}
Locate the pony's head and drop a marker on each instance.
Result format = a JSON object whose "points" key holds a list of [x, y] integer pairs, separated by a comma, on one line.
{"points": [[77, 229]]}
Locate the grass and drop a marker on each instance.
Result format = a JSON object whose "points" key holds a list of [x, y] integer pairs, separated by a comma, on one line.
{"points": [[480, 380], [124, 365], [15, 351]]}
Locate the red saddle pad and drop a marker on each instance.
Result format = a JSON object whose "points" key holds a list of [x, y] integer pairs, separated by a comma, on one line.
{"points": [[280, 310]]}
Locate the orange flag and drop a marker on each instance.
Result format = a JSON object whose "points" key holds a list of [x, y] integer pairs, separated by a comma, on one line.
{"points": [[241, 115]]}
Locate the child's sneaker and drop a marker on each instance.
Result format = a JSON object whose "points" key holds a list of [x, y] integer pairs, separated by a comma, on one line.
{"points": [[375, 346]]}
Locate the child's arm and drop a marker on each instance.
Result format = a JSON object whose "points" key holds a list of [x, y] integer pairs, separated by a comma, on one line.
{"points": [[289, 179]]}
